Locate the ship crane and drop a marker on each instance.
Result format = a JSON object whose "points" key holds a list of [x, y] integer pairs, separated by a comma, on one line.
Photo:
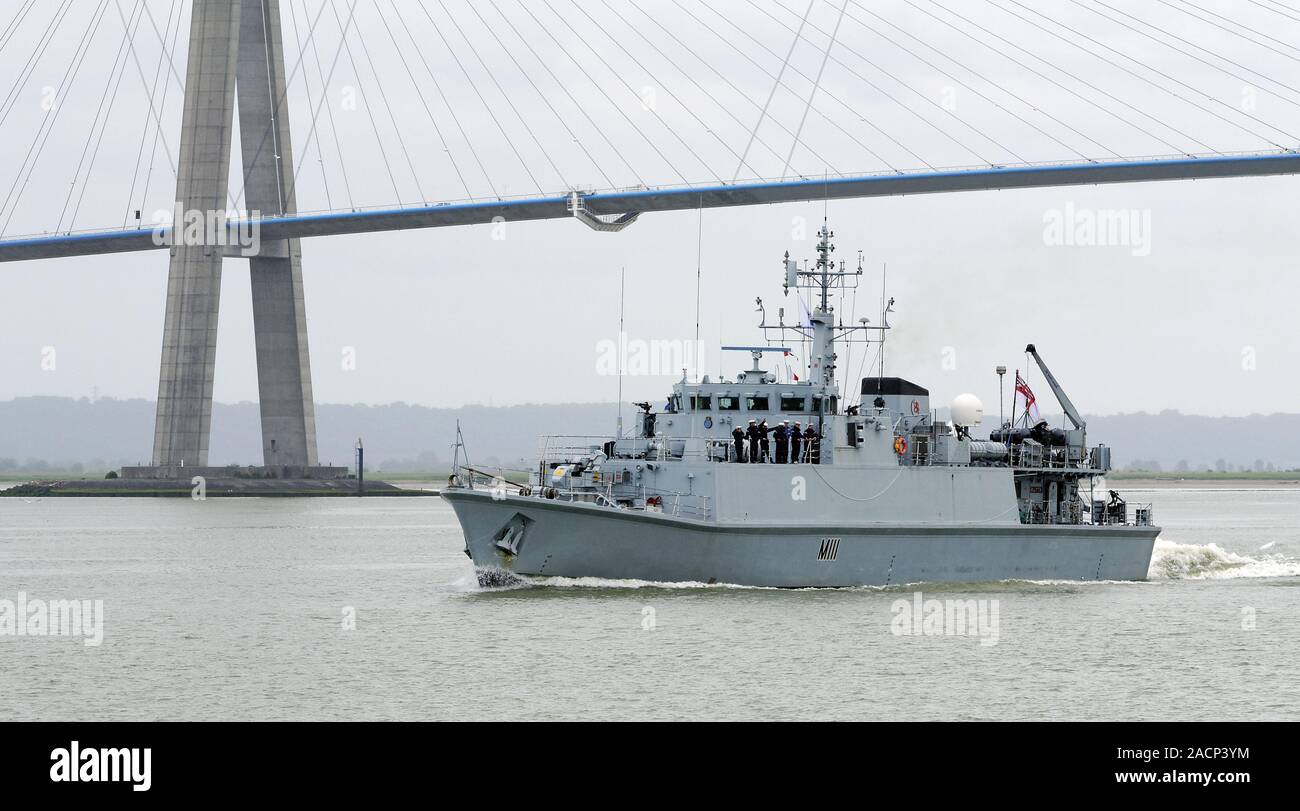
{"points": [[1070, 411]]}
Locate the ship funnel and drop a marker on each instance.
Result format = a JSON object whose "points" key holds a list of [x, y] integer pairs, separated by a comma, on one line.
{"points": [[966, 410]]}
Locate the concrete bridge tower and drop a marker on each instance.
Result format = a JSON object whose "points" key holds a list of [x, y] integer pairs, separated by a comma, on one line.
{"points": [[235, 48]]}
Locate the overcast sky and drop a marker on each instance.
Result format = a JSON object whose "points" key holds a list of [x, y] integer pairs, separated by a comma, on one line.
{"points": [[1197, 313]]}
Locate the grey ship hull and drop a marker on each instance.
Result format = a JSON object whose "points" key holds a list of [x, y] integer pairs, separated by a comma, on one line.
{"points": [[566, 539]]}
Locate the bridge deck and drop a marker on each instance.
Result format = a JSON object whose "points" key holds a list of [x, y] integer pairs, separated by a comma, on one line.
{"points": [[1190, 167]]}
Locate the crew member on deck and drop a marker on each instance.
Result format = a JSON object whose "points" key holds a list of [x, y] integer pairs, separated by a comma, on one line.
{"points": [[763, 431], [753, 434], [738, 438], [811, 445], [782, 442], [796, 434]]}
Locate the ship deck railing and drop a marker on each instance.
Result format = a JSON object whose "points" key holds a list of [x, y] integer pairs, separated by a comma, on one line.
{"points": [[563, 449], [640, 499], [1040, 457], [919, 454], [1135, 515], [568, 448]]}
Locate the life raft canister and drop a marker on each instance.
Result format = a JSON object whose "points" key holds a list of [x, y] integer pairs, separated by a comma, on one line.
{"points": [[900, 445]]}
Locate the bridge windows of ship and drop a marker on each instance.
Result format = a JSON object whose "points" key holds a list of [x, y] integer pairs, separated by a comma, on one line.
{"points": [[831, 405], [790, 403], [728, 403], [701, 402], [756, 403]]}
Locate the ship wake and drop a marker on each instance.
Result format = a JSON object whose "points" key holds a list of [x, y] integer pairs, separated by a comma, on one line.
{"points": [[1176, 561]]}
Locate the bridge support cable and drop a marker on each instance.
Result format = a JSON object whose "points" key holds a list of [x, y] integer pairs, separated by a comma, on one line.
{"points": [[537, 90], [781, 82], [478, 56], [1005, 55], [1221, 27], [832, 36], [491, 29], [109, 96], [344, 29], [278, 102], [168, 51], [600, 88], [156, 116], [51, 118], [694, 83], [329, 110], [848, 108], [401, 54], [821, 160], [1033, 108], [569, 95], [500, 128], [632, 91], [7, 35], [812, 94], [311, 105], [388, 107], [33, 59], [460, 127], [1175, 94], [1276, 10], [144, 132], [785, 63], [1202, 48]]}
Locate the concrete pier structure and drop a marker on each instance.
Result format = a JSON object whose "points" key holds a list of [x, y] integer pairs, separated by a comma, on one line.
{"points": [[189, 350], [279, 309], [235, 47]]}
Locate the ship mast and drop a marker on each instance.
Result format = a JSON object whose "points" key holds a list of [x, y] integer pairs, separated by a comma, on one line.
{"points": [[820, 326], [822, 363]]}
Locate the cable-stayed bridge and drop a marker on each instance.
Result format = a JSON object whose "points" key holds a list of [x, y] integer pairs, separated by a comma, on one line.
{"points": [[416, 114]]}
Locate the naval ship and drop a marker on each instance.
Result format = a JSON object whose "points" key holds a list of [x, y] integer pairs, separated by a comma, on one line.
{"points": [[877, 489]]}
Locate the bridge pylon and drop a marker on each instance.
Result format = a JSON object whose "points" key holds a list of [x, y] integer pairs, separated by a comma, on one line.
{"points": [[235, 51]]}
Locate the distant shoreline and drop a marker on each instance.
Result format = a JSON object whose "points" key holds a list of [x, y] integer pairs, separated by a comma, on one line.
{"points": [[1129, 477], [1128, 483], [1272, 477], [211, 488]]}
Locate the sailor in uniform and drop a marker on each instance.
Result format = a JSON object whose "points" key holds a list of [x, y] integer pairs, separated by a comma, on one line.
{"points": [[782, 442], [811, 444], [753, 433]]}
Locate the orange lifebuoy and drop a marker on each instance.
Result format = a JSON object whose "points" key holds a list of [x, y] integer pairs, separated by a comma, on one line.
{"points": [[900, 446]]}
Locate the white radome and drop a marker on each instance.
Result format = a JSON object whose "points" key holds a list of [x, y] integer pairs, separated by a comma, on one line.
{"points": [[966, 410]]}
